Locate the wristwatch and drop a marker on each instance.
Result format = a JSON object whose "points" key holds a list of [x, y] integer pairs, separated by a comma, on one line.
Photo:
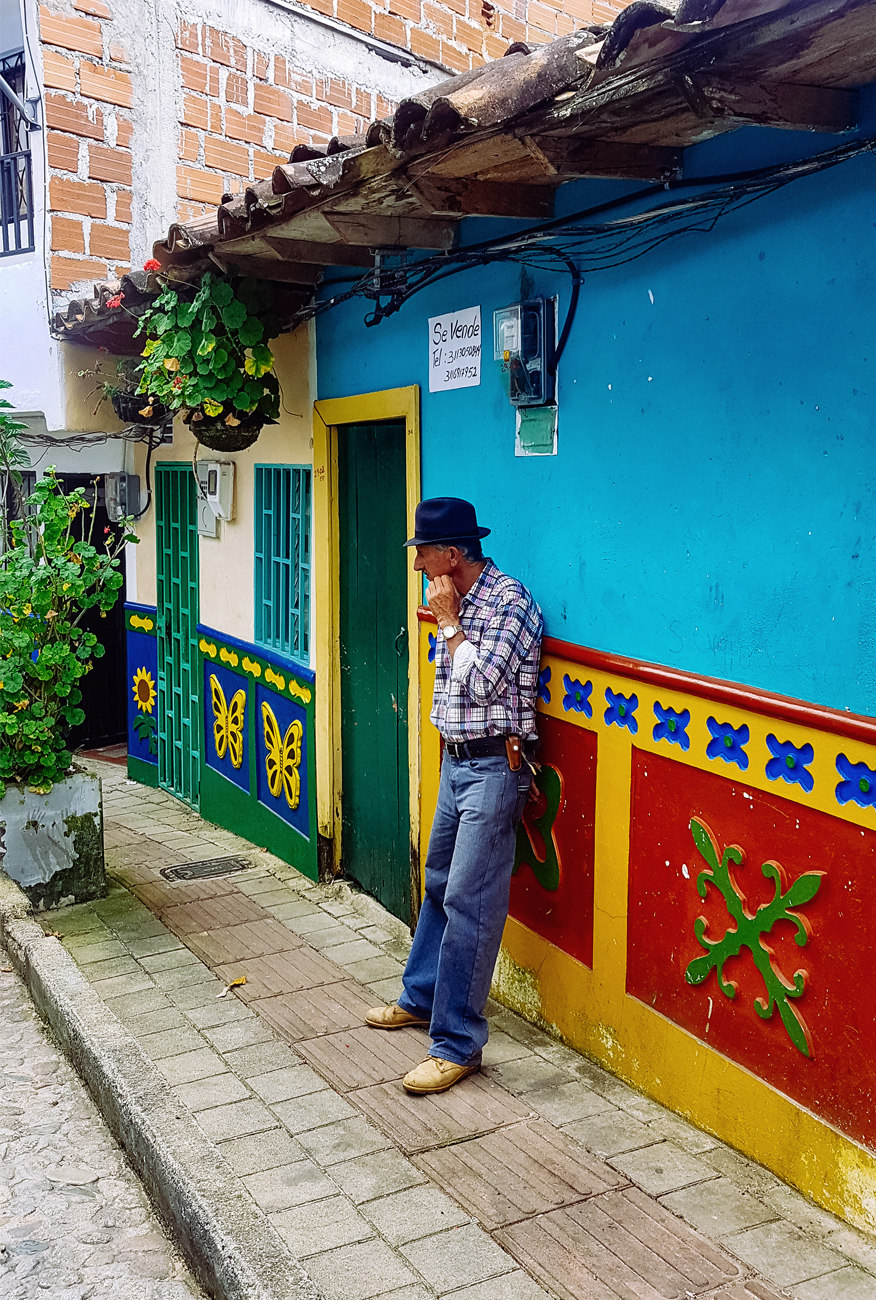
{"points": [[450, 631]]}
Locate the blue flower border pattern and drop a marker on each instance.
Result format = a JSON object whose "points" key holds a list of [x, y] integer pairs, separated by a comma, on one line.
{"points": [[790, 762], [621, 710], [858, 783], [728, 742], [787, 762], [577, 696], [672, 725]]}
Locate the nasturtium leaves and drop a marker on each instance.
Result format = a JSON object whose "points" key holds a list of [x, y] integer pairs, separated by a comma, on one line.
{"points": [[185, 314], [221, 293], [181, 344], [251, 331], [233, 315], [212, 346]]}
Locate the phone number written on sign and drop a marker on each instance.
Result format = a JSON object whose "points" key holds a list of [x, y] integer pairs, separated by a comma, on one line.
{"points": [[455, 350]]}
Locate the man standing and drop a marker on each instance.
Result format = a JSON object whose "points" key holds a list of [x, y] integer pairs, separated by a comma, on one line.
{"points": [[486, 677]]}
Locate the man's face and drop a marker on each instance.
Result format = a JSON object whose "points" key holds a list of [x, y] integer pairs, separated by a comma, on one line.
{"points": [[433, 562]]}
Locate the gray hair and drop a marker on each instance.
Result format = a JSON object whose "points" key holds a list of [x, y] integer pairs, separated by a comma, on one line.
{"points": [[468, 547]]}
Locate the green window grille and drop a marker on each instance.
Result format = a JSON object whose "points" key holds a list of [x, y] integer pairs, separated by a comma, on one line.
{"points": [[282, 559]]}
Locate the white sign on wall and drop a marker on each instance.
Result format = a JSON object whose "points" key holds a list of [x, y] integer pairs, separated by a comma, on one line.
{"points": [[455, 350]]}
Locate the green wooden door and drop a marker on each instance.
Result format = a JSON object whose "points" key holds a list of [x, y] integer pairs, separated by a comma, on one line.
{"points": [[374, 661], [179, 726]]}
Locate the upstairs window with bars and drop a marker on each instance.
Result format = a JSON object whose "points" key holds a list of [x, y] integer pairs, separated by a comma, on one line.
{"points": [[282, 559], [16, 177]]}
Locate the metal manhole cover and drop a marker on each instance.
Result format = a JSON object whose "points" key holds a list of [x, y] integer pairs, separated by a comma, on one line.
{"points": [[206, 869]]}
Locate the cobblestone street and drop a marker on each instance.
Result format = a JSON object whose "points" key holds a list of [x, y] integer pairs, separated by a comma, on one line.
{"points": [[75, 1223]]}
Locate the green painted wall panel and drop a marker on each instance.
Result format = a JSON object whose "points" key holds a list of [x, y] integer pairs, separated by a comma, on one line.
{"points": [[238, 798], [145, 773]]}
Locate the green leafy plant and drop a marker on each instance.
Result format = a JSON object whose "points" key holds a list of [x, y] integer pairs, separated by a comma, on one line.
{"points": [[51, 573], [207, 354], [13, 459], [124, 379]]}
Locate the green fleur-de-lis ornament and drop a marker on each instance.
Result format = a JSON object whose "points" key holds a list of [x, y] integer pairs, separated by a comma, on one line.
{"points": [[750, 930], [539, 851]]}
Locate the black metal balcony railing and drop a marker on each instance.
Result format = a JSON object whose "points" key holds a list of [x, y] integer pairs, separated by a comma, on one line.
{"points": [[16, 176], [16, 203]]}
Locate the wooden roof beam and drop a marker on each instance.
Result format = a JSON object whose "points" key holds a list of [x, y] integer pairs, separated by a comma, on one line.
{"points": [[571, 157], [371, 230], [307, 250], [791, 107], [463, 198], [268, 268]]}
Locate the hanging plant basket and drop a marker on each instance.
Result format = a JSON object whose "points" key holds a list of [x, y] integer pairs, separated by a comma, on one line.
{"points": [[207, 356], [128, 407], [216, 435]]}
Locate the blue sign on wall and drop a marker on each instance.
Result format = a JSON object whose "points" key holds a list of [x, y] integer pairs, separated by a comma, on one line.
{"points": [[226, 724], [281, 782]]}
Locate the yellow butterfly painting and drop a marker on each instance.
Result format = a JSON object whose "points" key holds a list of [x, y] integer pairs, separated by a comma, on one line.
{"points": [[283, 757], [228, 722]]}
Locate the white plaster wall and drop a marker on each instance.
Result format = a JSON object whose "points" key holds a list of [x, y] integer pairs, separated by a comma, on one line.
{"points": [[30, 358]]}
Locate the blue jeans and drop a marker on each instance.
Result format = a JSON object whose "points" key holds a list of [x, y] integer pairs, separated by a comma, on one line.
{"points": [[468, 880]]}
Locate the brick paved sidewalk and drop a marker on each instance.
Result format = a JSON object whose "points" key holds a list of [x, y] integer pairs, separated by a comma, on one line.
{"points": [[541, 1176]]}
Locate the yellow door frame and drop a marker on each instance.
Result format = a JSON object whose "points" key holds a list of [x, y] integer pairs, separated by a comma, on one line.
{"points": [[328, 416]]}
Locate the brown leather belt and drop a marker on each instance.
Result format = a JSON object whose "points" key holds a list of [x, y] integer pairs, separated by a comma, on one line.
{"points": [[483, 747]]}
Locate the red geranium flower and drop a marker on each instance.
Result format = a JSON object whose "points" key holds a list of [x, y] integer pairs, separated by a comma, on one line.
{"points": [[115, 301], [152, 265]]}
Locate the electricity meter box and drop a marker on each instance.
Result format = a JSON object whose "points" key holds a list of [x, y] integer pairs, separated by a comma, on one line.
{"points": [[218, 483], [208, 524], [523, 339], [122, 493]]}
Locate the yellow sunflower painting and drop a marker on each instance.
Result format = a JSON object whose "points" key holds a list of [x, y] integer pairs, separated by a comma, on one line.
{"points": [[144, 690]]}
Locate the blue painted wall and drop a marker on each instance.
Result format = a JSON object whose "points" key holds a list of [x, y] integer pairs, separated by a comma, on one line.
{"points": [[712, 504]]}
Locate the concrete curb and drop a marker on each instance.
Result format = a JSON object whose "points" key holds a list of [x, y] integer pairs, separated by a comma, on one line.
{"points": [[230, 1246]]}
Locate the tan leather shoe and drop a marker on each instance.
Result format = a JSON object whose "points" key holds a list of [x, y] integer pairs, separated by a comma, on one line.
{"points": [[393, 1017], [435, 1075]]}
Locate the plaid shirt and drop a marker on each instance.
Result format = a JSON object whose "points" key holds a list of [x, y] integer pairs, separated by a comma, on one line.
{"points": [[496, 697]]}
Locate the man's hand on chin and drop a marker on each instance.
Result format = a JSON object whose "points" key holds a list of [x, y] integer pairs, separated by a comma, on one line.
{"points": [[443, 599]]}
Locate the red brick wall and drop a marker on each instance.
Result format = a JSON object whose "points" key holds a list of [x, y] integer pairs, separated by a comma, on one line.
{"points": [[88, 136], [242, 108], [462, 33]]}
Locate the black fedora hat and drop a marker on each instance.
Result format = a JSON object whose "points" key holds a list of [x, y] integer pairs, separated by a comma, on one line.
{"points": [[445, 519]]}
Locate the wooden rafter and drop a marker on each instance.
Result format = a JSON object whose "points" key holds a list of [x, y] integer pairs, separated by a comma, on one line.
{"points": [[463, 198], [570, 157], [795, 108], [370, 230]]}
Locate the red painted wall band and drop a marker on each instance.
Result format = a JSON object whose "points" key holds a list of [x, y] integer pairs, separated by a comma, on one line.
{"points": [[781, 707]]}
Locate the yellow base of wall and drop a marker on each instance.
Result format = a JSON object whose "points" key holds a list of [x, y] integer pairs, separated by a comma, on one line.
{"points": [[647, 1051]]}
